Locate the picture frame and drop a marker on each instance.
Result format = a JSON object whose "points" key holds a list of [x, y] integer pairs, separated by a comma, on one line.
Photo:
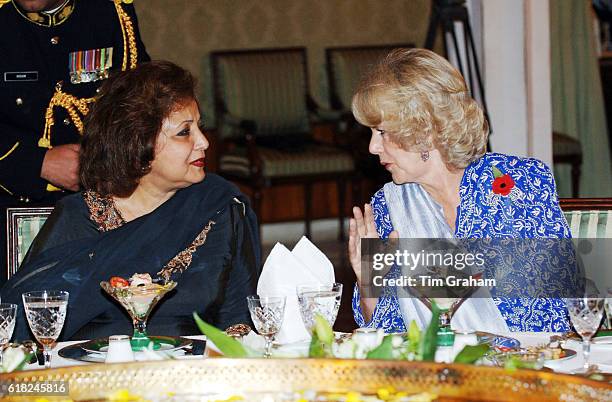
{"points": [[22, 226]]}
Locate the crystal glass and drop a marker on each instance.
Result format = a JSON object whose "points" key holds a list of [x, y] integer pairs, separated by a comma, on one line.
{"points": [[321, 299], [585, 314], [7, 325], [46, 312], [139, 301], [267, 313]]}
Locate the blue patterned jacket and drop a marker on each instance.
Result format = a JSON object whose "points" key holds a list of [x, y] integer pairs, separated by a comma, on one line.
{"points": [[531, 210]]}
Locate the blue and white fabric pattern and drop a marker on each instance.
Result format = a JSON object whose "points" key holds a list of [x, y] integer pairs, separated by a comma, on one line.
{"points": [[529, 211]]}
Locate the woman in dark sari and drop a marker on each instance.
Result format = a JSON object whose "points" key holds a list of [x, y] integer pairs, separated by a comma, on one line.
{"points": [[148, 207]]}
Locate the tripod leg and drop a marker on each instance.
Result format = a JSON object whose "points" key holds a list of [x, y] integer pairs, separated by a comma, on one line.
{"points": [[468, 58], [456, 46], [472, 49], [434, 22]]}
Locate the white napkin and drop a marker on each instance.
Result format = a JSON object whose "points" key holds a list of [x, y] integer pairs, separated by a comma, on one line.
{"points": [[283, 271]]}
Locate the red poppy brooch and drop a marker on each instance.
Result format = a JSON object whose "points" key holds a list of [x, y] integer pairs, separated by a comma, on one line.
{"points": [[502, 183]]}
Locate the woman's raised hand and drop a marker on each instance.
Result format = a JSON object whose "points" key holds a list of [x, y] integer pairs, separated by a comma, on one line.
{"points": [[360, 226]]}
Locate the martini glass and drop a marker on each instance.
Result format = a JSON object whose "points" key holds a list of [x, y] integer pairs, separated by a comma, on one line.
{"points": [[139, 301]]}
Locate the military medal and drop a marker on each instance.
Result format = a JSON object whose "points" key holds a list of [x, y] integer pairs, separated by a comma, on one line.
{"points": [[90, 65]]}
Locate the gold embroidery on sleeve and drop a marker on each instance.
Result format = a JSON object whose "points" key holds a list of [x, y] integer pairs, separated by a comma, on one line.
{"points": [[183, 259]]}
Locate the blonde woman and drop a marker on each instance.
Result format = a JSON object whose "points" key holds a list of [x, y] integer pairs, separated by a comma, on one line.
{"points": [[431, 136]]}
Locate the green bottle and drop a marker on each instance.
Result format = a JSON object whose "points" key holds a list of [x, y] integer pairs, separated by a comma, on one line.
{"points": [[446, 336]]}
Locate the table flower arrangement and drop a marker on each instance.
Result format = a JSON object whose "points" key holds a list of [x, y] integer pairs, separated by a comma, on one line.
{"points": [[416, 345]]}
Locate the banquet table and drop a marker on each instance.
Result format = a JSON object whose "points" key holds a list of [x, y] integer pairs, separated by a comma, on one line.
{"points": [[601, 353]]}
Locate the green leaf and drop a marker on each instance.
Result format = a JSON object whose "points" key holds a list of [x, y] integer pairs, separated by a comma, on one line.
{"points": [[322, 338], [513, 363], [384, 350], [229, 346], [316, 349], [323, 330], [429, 343], [496, 172], [470, 354], [414, 337]]}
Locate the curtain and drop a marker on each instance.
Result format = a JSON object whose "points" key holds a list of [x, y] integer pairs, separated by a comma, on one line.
{"points": [[577, 97]]}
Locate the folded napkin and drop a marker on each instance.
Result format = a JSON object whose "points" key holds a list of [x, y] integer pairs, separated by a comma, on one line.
{"points": [[283, 271]]}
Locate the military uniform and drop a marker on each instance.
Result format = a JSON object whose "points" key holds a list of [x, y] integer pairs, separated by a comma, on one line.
{"points": [[51, 64]]}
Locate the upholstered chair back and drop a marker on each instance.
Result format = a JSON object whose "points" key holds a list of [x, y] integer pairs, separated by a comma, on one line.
{"points": [[266, 87], [346, 66], [588, 217], [590, 223]]}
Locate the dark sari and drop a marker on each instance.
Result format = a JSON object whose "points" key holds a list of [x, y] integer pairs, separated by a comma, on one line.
{"points": [[75, 252]]}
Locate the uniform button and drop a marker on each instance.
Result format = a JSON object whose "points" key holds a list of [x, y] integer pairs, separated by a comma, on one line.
{"points": [[19, 101], [66, 121], [55, 40], [97, 90]]}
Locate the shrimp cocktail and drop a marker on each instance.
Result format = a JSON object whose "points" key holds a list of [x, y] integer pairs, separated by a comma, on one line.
{"points": [[138, 296]]}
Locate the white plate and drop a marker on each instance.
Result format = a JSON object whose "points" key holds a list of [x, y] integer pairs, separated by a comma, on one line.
{"points": [[602, 340]]}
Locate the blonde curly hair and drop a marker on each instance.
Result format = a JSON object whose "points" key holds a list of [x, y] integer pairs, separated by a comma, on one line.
{"points": [[424, 102]]}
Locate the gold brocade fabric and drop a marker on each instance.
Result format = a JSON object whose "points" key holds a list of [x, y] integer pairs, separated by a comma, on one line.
{"points": [[103, 211], [183, 259]]}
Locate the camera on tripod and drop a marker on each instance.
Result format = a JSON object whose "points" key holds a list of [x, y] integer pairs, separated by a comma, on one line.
{"points": [[445, 14]]}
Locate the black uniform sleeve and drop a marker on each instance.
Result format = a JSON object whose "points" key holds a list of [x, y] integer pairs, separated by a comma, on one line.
{"points": [[142, 51], [20, 163], [244, 273]]}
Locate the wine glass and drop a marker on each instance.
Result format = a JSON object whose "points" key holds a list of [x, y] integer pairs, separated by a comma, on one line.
{"points": [[585, 314], [7, 325], [46, 312], [321, 299], [139, 301], [267, 313]]}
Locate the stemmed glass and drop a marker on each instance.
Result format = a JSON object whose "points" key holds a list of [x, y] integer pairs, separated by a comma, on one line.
{"points": [[46, 312], [585, 314], [267, 313], [321, 299], [7, 325], [139, 302], [608, 308]]}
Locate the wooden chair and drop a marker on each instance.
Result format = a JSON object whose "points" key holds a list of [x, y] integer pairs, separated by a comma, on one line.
{"points": [[22, 226], [345, 68], [264, 126]]}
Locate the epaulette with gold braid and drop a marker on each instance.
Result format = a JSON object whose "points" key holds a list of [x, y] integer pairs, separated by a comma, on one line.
{"points": [[3, 2]]}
